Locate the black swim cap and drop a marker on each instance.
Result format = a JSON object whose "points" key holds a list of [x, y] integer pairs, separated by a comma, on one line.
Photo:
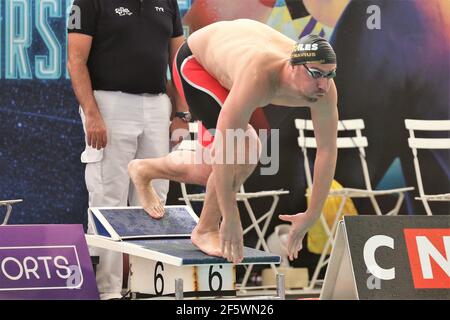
{"points": [[312, 49]]}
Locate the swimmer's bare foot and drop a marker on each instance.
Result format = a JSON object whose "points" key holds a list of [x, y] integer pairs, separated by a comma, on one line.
{"points": [[147, 195], [207, 241]]}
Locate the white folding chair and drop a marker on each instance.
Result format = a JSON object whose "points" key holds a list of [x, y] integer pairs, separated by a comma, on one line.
{"points": [[8, 204], [243, 196], [358, 142], [427, 144]]}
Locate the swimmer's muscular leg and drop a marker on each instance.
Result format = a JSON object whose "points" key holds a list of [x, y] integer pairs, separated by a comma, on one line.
{"points": [[206, 235], [178, 166]]}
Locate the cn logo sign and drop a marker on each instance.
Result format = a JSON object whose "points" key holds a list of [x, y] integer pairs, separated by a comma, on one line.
{"points": [[428, 252], [429, 256]]}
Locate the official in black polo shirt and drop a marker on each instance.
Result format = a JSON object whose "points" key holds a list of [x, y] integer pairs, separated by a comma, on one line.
{"points": [[119, 51]]}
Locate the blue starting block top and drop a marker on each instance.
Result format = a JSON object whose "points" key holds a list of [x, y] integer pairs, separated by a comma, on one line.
{"points": [[131, 230], [134, 222], [191, 255]]}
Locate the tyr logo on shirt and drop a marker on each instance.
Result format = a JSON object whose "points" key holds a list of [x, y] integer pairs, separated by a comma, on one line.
{"points": [[123, 11]]}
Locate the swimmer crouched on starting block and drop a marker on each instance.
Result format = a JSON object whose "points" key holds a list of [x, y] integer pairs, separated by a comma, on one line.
{"points": [[225, 71]]}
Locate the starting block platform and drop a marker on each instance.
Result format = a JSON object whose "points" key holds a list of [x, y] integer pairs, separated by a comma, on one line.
{"points": [[160, 252]]}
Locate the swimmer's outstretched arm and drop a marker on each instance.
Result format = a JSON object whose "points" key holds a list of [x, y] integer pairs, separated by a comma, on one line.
{"points": [[325, 121]]}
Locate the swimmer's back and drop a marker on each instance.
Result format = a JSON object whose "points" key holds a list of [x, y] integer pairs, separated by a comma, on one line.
{"points": [[225, 48]]}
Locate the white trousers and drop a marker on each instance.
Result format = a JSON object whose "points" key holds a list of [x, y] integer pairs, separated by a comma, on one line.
{"points": [[137, 128]]}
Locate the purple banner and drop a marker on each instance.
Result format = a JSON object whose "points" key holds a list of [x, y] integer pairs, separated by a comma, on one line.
{"points": [[45, 262]]}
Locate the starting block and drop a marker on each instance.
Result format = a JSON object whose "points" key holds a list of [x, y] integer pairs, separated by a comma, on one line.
{"points": [[160, 252]]}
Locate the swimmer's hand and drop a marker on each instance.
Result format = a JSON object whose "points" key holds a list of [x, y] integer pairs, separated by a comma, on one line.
{"points": [[301, 222]]}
